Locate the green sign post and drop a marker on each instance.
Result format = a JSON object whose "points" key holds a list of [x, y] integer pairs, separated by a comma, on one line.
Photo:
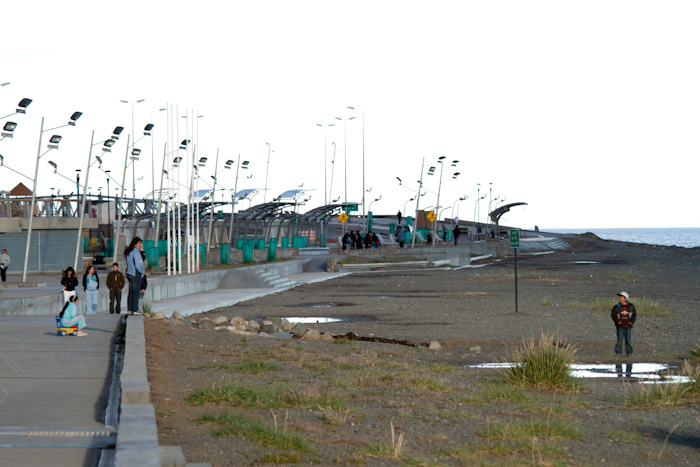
{"points": [[515, 244]]}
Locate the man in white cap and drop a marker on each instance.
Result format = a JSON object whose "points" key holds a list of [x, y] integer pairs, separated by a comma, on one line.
{"points": [[624, 315]]}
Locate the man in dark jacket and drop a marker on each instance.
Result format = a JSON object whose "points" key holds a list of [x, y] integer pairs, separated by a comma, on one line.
{"points": [[624, 314], [115, 284]]}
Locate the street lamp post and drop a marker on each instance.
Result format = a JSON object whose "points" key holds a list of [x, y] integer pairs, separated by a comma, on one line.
{"points": [[53, 144], [133, 168], [345, 150], [244, 164], [267, 170], [363, 157], [456, 213], [325, 161]]}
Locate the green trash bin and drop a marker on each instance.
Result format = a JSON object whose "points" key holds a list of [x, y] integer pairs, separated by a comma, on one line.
{"points": [[392, 229], [86, 244], [224, 253], [202, 255], [296, 242], [322, 241], [239, 244], [248, 251], [260, 243], [285, 242], [304, 242], [272, 250]]}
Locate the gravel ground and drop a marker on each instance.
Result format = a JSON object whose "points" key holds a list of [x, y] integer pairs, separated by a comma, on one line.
{"points": [[342, 398]]}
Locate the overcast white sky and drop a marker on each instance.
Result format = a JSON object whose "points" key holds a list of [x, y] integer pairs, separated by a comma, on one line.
{"points": [[588, 111]]}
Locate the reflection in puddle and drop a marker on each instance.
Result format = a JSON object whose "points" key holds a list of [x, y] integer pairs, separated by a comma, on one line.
{"points": [[644, 372], [315, 319], [585, 262]]}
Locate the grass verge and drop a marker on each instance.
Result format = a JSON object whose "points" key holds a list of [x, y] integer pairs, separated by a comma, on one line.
{"points": [[644, 306], [667, 394]]}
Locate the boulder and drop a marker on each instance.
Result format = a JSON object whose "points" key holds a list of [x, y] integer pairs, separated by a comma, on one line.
{"points": [[312, 335], [158, 315], [253, 326], [286, 326], [177, 315], [238, 321], [327, 336], [434, 345], [298, 330], [205, 323], [220, 321]]}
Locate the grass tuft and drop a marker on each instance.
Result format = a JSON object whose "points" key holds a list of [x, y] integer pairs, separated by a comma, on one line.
{"points": [[262, 396], [695, 352], [231, 424], [542, 364], [667, 394], [644, 306]]}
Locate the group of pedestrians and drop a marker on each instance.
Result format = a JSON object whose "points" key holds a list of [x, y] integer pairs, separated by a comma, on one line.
{"points": [[135, 275], [354, 240]]}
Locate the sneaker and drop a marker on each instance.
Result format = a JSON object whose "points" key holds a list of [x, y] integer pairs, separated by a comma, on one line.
{"points": [[82, 333], [136, 313]]}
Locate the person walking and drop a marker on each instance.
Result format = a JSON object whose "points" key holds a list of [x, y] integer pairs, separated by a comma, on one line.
{"points": [[91, 284], [4, 263], [455, 233], [134, 271], [115, 284], [401, 236], [624, 314], [69, 281]]}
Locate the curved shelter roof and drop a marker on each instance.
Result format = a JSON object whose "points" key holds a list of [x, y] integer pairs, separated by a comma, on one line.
{"points": [[496, 214]]}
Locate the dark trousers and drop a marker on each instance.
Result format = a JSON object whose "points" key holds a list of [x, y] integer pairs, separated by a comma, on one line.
{"points": [[132, 300], [624, 334], [3, 271], [115, 299]]}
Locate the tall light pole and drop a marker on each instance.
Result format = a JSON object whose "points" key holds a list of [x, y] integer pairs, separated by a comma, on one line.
{"points": [[325, 162], [456, 213], [133, 168], [363, 157], [53, 144], [345, 150], [267, 170], [149, 129]]}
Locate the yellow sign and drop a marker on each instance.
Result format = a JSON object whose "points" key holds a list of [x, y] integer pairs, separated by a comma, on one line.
{"points": [[431, 216], [343, 217]]}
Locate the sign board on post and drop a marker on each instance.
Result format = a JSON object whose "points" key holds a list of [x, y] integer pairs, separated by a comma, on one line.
{"points": [[353, 208], [343, 217], [431, 216], [514, 238]]}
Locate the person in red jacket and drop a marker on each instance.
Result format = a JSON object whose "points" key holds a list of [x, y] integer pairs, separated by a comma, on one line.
{"points": [[624, 314]]}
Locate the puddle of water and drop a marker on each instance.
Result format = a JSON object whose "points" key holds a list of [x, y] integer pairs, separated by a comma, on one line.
{"points": [[644, 372], [585, 262], [315, 319], [326, 305]]}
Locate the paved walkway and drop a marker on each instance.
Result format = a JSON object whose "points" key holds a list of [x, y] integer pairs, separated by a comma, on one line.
{"points": [[58, 401]]}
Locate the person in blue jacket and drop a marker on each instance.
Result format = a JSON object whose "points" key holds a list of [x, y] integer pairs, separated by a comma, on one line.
{"points": [[69, 318], [134, 271]]}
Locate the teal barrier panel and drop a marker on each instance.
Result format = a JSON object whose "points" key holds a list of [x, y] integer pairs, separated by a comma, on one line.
{"points": [[285, 242], [304, 242], [148, 244], [392, 228], [296, 242], [260, 243], [86, 244], [248, 251], [224, 253], [409, 220], [202, 255], [322, 241], [152, 256], [239, 244], [272, 250]]}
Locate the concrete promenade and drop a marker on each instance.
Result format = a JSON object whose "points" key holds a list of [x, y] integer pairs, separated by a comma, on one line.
{"points": [[85, 401]]}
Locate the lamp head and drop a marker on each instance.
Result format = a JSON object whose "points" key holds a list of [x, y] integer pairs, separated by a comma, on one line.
{"points": [[202, 161], [23, 104], [184, 143], [74, 118], [99, 160], [397, 178], [117, 131], [8, 129], [53, 142], [2, 160], [55, 167], [107, 146], [147, 129]]}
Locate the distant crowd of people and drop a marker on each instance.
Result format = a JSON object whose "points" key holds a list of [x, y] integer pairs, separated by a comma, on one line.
{"points": [[354, 240]]}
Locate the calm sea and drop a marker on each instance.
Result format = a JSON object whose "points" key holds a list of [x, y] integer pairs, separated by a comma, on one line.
{"points": [[687, 238]]}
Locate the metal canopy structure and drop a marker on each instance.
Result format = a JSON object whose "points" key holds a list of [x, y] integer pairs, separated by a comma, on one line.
{"points": [[496, 214]]}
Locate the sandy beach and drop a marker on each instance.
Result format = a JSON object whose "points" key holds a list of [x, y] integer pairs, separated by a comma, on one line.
{"points": [[342, 397]]}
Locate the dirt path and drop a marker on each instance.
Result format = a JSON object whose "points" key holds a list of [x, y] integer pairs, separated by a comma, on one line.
{"points": [[341, 398]]}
